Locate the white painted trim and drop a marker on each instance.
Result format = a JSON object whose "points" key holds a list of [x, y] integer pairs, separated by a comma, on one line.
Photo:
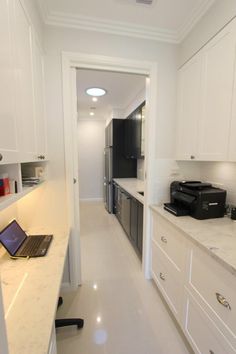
{"points": [[70, 121], [61, 19], [150, 69], [69, 20], [91, 199]]}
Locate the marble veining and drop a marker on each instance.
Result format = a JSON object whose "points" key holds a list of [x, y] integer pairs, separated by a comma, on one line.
{"points": [[30, 290], [132, 186], [215, 236]]}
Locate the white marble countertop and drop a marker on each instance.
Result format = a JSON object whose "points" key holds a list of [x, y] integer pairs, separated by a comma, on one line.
{"points": [[216, 236], [132, 186], [30, 293]]}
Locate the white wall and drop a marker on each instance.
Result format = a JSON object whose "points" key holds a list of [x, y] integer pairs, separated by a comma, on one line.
{"points": [[91, 141], [221, 12]]}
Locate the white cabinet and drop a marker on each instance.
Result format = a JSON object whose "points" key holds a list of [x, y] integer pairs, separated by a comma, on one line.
{"points": [[199, 290], [232, 139], [168, 263], [25, 88], [201, 331], [205, 96], [8, 130], [39, 99], [189, 96], [218, 79], [214, 288], [22, 102]]}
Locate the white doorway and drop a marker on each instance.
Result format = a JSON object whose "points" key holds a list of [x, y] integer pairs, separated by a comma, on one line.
{"points": [[80, 61]]}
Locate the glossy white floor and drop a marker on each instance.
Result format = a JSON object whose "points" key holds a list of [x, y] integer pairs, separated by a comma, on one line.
{"points": [[123, 312]]}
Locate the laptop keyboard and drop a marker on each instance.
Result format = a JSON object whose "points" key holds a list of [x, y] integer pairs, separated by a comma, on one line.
{"points": [[32, 245]]}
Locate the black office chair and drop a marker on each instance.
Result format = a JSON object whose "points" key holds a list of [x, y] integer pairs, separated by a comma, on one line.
{"points": [[79, 322]]}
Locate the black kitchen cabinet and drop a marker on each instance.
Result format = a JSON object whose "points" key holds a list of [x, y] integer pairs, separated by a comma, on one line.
{"points": [[136, 225], [129, 212], [140, 229], [134, 131], [134, 221]]}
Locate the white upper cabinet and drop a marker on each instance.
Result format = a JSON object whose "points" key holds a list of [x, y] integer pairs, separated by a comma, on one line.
{"points": [[219, 65], [206, 92], [8, 131], [189, 96], [41, 141], [232, 138], [25, 88]]}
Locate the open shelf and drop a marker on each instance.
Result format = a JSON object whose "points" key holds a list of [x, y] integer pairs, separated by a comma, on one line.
{"points": [[9, 199]]}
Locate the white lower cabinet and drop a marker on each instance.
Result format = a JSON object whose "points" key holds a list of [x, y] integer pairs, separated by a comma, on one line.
{"points": [[214, 288], [201, 331], [199, 291], [168, 280]]}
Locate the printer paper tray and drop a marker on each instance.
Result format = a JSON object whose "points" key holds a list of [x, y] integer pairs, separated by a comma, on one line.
{"points": [[175, 210]]}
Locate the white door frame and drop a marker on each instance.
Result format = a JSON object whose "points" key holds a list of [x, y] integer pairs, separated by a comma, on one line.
{"points": [[115, 64]]}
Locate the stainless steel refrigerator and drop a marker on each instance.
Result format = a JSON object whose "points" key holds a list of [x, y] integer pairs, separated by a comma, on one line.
{"points": [[116, 165]]}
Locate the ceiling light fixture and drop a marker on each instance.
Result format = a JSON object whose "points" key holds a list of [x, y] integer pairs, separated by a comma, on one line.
{"points": [[91, 113], [94, 99], [96, 91]]}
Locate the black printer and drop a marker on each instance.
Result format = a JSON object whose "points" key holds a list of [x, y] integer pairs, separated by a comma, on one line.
{"points": [[197, 199]]}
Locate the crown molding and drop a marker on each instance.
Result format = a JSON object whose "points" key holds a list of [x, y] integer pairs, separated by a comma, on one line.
{"points": [[66, 20], [108, 26], [193, 19]]}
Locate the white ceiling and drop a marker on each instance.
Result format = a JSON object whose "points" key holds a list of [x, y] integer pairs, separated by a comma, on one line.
{"points": [[121, 91], [166, 20]]}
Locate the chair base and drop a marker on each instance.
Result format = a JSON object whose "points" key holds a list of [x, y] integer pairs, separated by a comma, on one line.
{"points": [[79, 322]]}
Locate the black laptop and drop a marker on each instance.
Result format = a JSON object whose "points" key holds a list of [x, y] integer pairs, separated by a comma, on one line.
{"points": [[18, 244]]}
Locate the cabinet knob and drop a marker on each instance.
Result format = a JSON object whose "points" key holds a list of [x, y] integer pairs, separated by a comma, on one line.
{"points": [[41, 157], [192, 157], [162, 276], [163, 239], [211, 352], [1, 157], [222, 300]]}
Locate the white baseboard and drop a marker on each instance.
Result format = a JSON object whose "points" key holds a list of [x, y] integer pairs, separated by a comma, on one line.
{"points": [[91, 199]]}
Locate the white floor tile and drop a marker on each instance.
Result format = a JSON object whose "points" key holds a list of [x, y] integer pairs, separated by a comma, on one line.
{"points": [[123, 312]]}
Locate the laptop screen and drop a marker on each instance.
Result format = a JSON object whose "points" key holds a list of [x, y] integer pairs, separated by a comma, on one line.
{"points": [[12, 237]]}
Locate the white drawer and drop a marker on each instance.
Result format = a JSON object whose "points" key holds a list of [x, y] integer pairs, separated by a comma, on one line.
{"points": [[168, 281], [215, 288], [170, 240], [203, 335]]}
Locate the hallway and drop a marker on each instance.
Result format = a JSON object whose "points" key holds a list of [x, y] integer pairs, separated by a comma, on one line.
{"points": [[123, 312]]}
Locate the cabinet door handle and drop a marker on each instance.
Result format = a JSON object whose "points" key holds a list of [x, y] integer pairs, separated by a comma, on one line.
{"points": [[1, 157], [211, 351], [222, 300], [192, 157], [162, 276], [163, 239]]}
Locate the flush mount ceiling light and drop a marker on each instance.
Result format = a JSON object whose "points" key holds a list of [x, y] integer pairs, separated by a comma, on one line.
{"points": [[96, 91], [94, 99]]}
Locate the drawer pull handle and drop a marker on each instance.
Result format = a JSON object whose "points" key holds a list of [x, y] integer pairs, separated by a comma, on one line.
{"points": [[222, 300], [211, 352], [164, 240], [162, 276]]}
